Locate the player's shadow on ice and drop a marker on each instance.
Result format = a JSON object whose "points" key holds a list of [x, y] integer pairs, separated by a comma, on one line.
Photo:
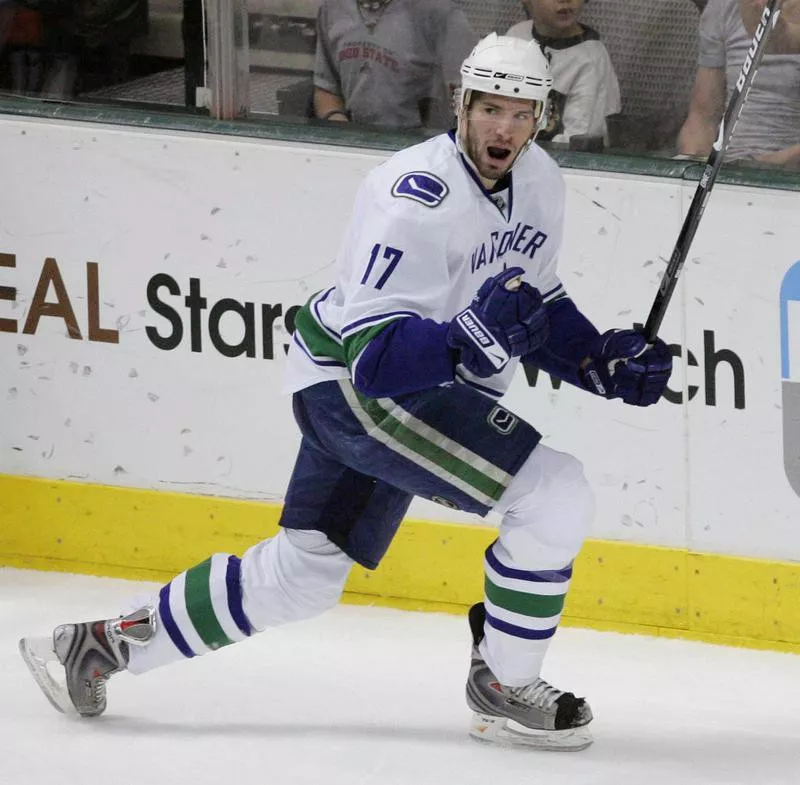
{"points": [[130, 726], [709, 754], [758, 757]]}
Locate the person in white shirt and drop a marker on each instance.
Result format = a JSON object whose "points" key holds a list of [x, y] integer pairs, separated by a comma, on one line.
{"points": [[586, 89]]}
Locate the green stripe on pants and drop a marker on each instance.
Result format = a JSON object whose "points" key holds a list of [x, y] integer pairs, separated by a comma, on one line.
{"points": [[448, 463]]}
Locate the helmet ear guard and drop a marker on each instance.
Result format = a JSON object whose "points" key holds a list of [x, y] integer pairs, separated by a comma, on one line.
{"points": [[542, 110]]}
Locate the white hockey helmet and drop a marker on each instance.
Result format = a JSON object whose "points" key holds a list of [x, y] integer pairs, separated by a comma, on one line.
{"points": [[507, 66]]}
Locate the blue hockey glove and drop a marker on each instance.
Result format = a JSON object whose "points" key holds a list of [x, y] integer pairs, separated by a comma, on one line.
{"points": [[506, 318], [623, 365]]}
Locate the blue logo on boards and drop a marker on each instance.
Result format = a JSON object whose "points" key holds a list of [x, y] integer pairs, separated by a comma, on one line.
{"points": [[790, 373], [422, 187]]}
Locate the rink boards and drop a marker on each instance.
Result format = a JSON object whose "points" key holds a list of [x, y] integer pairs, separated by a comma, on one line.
{"points": [[148, 286]]}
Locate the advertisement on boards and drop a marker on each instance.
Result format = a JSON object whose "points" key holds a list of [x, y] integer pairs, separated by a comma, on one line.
{"points": [[149, 283]]}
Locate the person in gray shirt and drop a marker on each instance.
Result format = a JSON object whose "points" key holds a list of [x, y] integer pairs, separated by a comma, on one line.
{"points": [[785, 38], [389, 62], [768, 130]]}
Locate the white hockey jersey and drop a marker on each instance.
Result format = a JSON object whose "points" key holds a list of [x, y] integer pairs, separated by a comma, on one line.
{"points": [[424, 235]]}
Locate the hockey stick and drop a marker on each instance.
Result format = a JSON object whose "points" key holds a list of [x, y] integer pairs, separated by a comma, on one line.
{"points": [[726, 128]]}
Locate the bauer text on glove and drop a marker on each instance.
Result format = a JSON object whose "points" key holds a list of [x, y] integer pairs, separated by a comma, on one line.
{"points": [[506, 319]]}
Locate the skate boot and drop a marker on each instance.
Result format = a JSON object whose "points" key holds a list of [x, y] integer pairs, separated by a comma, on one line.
{"points": [[90, 652], [535, 715]]}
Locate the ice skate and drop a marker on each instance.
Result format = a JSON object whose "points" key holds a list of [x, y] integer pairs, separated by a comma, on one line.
{"points": [[90, 652], [536, 715]]}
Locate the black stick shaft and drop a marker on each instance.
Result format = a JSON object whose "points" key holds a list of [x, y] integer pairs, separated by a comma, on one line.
{"points": [[726, 128]]}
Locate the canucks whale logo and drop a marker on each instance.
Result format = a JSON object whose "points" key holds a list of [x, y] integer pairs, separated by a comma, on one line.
{"points": [[422, 187], [790, 373]]}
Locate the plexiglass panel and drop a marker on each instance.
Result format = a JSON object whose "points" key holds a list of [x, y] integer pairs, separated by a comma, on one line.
{"points": [[100, 50], [650, 77]]}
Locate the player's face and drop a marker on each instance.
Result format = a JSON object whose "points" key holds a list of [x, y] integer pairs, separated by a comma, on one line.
{"points": [[556, 18], [497, 130]]}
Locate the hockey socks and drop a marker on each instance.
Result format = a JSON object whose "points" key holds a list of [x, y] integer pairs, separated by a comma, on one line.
{"points": [[198, 611], [523, 609]]}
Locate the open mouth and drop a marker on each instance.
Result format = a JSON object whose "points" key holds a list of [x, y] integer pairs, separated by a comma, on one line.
{"points": [[498, 153]]}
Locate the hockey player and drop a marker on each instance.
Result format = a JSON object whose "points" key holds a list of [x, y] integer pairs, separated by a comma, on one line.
{"points": [[446, 281]]}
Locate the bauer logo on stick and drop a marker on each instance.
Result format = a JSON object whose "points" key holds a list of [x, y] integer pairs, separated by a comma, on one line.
{"points": [[726, 128], [748, 61]]}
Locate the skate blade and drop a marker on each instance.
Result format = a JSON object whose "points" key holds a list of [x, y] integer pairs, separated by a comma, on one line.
{"points": [[37, 653], [507, 733]]}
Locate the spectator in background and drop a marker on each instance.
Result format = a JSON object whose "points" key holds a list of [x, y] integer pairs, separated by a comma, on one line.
{"points": [[586, 90], [86, 43], [389, 62], [6, 20], [785, 38], [768, 131], [23, 40]]}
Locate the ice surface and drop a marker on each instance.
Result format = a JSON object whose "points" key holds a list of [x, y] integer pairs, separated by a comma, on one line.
{"points": [[369, 695]]}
